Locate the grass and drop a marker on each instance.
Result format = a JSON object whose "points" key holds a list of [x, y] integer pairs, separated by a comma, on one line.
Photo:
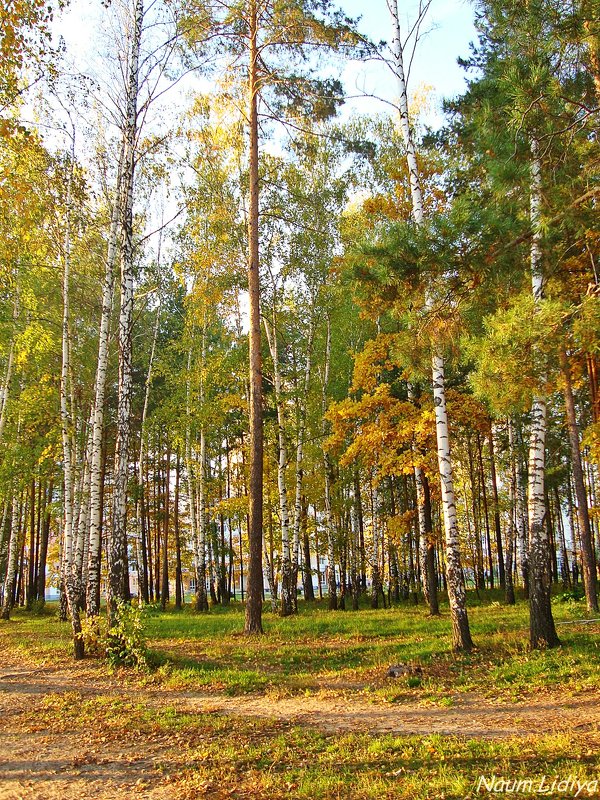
{"points": [[351, 651], [206, 755], [346, 651], [216, 756]]}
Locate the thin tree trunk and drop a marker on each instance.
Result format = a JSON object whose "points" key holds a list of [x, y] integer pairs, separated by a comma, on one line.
{"points": [[522, 528], [139, 501], [328, 472], [309, 592], [298, 510], [429, 553], [32, 552], [164, 591], [201, 598], [5, 388], [68, 572], [96, 463], [45, 535], [486, 515], [11, 564], [497, 528], [461, 635], [509, 589], [118, 573], [287, 599], [585, 532], [178, 572]]}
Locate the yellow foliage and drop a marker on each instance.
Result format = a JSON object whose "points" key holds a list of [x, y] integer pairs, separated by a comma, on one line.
{"points": [[379, 430], [399, 525]]}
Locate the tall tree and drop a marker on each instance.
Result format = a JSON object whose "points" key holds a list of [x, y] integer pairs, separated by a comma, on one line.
{"points": [[461, 635]]}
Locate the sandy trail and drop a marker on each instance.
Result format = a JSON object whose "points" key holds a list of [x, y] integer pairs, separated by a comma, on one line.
{"points": [[50, 764]]}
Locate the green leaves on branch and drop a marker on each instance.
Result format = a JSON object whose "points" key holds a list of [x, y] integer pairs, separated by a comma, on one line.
{"points": [[515, 358]]}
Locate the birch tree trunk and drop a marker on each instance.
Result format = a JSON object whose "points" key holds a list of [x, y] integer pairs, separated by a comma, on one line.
{"points": [[118, 576], [376, 588], [299, 472], [11, 562], [142, 557], [497, 528], [542, 632], [328, 470], [461, 635], [201, 596], [585, 531], [83, 522], [287, 599], [254, 584], [509, 589], [96, 459], [69, 575], [5, 388]]}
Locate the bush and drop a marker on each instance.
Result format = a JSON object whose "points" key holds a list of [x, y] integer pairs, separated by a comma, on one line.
{"points": [[126, 639], [576, 593], [124, 644]]}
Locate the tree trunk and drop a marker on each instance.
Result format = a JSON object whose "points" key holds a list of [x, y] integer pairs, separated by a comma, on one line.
{"points": [[497, 528], [164, 589], [298, 510], [96, 461], [201, 597], [309, 592], [328, 476], [32, 552], [585, 532], [509, 589], [461, 635], [429, 554], [11, 564], [287, 598], [68, 572], [486, 515], [43, 553], [254, 584], [542, 632], [118, 571], [178, 572]]}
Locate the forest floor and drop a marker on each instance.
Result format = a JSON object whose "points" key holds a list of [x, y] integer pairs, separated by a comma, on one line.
{"points": [[190, 728]]}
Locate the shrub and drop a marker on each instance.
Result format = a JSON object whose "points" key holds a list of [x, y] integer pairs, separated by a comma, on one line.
{"points": [[126, 639]]}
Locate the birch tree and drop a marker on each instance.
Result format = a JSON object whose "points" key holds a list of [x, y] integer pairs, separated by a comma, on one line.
{"points": [[117, 551], [461, 635]]}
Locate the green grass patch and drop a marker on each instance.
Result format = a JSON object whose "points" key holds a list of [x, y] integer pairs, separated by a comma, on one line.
{"points": [[347, 651]]}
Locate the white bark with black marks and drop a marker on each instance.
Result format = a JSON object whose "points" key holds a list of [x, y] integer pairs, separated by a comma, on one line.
{"points": [[461, 636], [542, 632], [118, 577], [287, 598]]}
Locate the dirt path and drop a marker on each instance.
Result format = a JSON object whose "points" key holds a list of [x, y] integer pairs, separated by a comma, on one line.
{"points": [[46, 763]]}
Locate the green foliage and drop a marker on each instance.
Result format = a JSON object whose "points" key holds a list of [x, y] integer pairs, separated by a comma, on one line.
{"points": [[126, 638], [38, 607], [513, 359], [576, 594]]}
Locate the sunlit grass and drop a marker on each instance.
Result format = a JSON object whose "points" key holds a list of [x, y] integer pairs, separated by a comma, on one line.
{"points": [[212, 755], [347, 651]]}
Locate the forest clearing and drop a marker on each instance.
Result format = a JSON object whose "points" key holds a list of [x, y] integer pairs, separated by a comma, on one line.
{"points": [[299, 399], [306, 711]]}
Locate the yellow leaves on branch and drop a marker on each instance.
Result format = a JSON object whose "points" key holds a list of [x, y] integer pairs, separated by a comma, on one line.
{"points": [[369, 363], [379, 430], [399, 525], [230, 507], [467, 412]]}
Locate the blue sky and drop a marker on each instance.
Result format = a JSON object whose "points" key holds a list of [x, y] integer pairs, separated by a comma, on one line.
{"points": [[448, 30]]}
